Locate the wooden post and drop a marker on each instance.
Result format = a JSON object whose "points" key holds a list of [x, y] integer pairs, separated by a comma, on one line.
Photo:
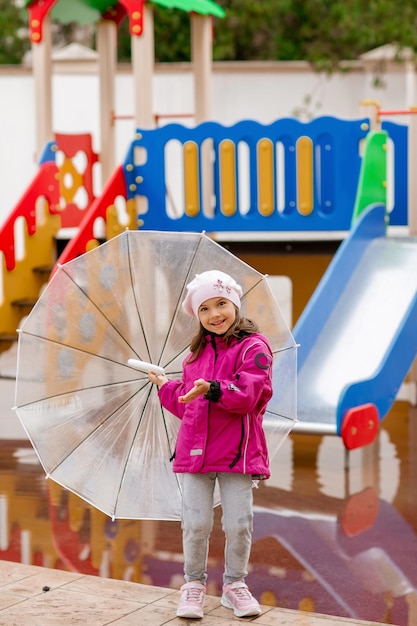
{"points": [[410, 84], [107, 49], [201, 50], [370, 108], [42, 73], [143, 59]]}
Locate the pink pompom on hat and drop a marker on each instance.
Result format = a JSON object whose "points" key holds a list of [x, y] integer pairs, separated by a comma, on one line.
{"points": [[210, 284]]}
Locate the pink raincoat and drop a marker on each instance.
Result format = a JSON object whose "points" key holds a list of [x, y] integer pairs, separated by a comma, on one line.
{"points": [[224, 435]]}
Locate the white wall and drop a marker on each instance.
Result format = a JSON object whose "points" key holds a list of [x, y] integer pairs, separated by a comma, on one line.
{"points": [[17, 138], [259, 91]]}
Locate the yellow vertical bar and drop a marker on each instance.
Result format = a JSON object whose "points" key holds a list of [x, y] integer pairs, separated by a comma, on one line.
{"points": [[265, 177], [191, 179], [305, 195], [227, 159]]}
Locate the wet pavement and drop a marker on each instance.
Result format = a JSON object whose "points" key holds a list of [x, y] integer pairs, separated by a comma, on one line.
{"points": [[42, 597], [328, 540]]}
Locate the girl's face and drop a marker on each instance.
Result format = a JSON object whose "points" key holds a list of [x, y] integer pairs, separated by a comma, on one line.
{"points": [[217, 315]]}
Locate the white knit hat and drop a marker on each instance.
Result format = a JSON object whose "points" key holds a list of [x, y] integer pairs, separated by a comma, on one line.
{"points": [[211, 284]]}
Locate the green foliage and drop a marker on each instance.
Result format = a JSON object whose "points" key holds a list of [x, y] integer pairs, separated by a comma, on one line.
{"points": [[323, 32], [123, 43], [171, 33], [14, 40], [248, 32]]}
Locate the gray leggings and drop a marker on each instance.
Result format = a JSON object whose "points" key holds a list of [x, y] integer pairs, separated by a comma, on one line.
{"points": [[197, 522]]}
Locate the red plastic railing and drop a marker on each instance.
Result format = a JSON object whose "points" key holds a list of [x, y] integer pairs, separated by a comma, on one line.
{"points": [[115, 187], [46, 185]]}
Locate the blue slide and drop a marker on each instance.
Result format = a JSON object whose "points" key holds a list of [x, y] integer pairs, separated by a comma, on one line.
{"points": [[358, 333]]}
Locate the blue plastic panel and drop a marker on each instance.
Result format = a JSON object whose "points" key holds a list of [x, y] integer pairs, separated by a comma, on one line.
{"points": [[336, 166]]}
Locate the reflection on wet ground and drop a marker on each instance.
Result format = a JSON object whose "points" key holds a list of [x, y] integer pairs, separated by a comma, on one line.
{"points": [[334, 541]]}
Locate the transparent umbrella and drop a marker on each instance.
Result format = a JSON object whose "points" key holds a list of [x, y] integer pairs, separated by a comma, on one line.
{"points": [[94, 420]]}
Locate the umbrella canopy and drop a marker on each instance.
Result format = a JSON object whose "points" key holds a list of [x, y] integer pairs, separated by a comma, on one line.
{"points": [[94, 420]]}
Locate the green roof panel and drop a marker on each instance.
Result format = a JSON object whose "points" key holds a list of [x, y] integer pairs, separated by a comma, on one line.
{"points": [[80, 11], [205, 7]]}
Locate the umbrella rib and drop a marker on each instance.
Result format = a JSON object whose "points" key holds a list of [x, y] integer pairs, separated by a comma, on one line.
{"points": [[277, 414], [166, 430], [261, 279], [95, 430], [81, 389], [82, 351], [108, 359], [136, 302], [75, 348], [131, 446], [178, 304], [278, 350], [62, 268]]}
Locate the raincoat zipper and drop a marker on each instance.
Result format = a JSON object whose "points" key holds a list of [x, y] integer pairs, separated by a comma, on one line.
{"points": [[239, 450], [242, 437]]}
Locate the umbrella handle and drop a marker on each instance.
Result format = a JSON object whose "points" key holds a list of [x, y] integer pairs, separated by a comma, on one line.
{"points": [[144, 366]]}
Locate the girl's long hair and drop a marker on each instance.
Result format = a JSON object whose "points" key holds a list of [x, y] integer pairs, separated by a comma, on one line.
{"points": [[241, 326]]}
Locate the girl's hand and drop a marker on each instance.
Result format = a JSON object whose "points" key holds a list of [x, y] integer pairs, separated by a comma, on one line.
{"points": [[200, 388], [157, 379]]}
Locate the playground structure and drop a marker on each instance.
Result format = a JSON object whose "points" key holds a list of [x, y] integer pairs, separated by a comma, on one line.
{"points": [[326, 198], [302, 179], [107, 16]]}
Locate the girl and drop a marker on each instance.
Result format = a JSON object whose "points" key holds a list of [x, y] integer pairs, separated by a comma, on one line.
{"points": [[221, 399]]}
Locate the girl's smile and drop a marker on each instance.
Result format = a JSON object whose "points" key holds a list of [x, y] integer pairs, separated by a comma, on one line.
{"points": [[217, 315]]}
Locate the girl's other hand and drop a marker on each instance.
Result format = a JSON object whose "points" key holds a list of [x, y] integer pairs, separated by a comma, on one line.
{"points": [[200, 388]]}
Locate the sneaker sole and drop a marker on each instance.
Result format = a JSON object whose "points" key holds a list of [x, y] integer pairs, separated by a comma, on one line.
{"points": [[240, 613], [190, 614]]}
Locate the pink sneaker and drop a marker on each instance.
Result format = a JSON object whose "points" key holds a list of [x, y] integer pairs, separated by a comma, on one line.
{"points": [[237, 596], [192, 600]]}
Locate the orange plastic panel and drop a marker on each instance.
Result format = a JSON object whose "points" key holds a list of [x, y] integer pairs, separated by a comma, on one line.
{"points": [[305, 199], [191, 184], [227, 155], [265, 177]]}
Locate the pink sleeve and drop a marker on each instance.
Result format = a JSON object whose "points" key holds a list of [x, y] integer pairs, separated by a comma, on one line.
{"points": [[251, 386], [168, 395]]}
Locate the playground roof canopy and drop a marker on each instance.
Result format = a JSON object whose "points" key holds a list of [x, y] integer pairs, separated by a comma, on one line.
{"points": [[91, 11]]}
